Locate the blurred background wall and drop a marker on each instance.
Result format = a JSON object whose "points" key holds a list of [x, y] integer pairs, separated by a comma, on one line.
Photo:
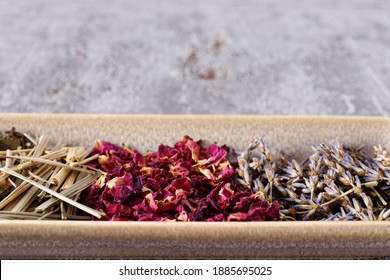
{"points": [[195, 57]]}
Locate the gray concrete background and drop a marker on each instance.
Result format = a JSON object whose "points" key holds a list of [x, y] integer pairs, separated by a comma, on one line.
{"points": [[195, 57]]}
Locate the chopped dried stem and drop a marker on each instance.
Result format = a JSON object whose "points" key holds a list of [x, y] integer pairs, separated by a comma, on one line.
{"points": [[72, 210], [74, 154], [12, 183], [76, 188], [37, 177], [55, 194], [38, 216], [70, 180], [26, 200], [85, 161], [61, 176], [25, 165], [50, 162], [15, 152], [20, 189], [8, 161], [337, 198], [63, 211], [86, 153], [40, 146]]}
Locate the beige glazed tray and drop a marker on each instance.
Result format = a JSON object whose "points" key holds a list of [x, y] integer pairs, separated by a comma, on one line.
{"points": [[102, 240]]}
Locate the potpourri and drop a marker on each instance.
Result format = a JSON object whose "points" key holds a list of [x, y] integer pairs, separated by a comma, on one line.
{"points": [[186, 182], [190, 182]]}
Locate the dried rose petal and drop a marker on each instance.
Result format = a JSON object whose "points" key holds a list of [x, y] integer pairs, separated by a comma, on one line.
{"points": [[186, 182]]}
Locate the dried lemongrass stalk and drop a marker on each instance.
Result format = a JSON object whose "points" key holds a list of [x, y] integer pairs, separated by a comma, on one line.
{"points": [[38, 216], [26, 200], [60, 177], [40, 146], [39, 178], [20, 189], [12, 183], [48, 184], [59, 196], [18, 151], [71, 209], [78, 187], [85, 161], [74, 154], [8, 161], [50, 162], [71, 154], [28, 164], [48, 213], [86, 153], [79, 158], [69, 180], [63, 211]]}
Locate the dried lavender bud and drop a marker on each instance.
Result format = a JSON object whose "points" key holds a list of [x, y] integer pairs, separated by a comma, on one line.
{"points": [[334, 183]]}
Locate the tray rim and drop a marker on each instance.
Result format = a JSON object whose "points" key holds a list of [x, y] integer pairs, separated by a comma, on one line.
{"points": [[22, 232]]}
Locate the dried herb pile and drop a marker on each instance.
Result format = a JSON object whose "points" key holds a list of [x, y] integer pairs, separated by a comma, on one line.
{"points": [[186, 182], [190, 182], [37, 182], [334, 183]]}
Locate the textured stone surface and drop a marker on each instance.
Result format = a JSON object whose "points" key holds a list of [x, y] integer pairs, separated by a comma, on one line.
{"points": [[195, 57]]}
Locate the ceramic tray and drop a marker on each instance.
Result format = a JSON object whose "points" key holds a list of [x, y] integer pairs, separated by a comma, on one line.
{"points": [[118, 240]]}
